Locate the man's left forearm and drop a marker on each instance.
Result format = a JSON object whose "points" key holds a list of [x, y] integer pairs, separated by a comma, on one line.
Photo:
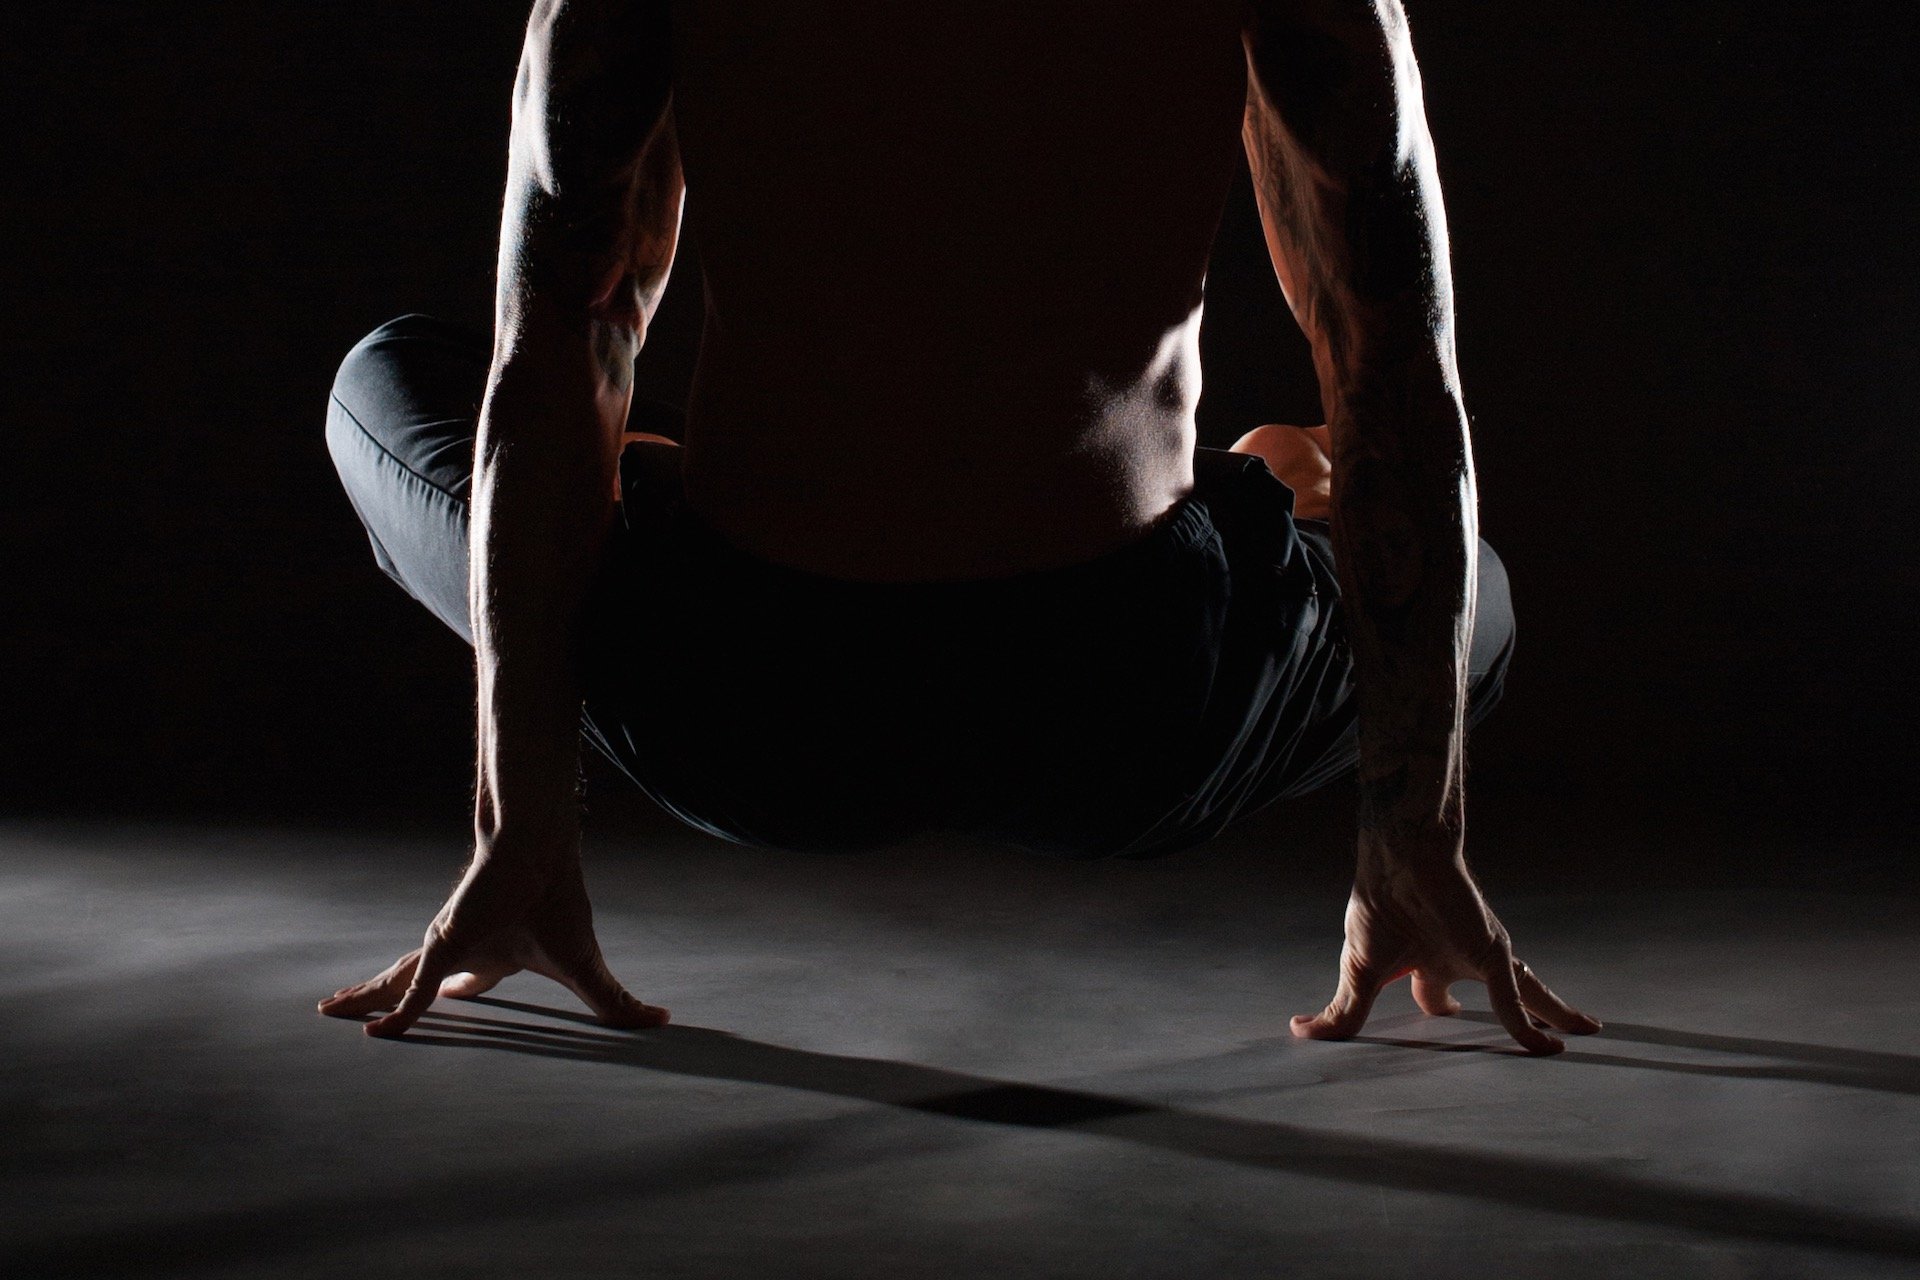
{"points": [[1405, 532]]}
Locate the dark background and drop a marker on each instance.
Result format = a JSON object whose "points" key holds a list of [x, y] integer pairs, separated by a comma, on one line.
{"points": [[1684, 248]]}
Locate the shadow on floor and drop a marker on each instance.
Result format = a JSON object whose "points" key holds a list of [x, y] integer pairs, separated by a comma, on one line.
{"points": [[1813, 1063], [763, 1151]]}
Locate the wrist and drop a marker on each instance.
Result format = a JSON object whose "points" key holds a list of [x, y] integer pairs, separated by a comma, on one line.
{"points": [[545, 840], [1431, 842]]}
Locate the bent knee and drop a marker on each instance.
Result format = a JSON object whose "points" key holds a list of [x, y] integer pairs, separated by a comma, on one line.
{"points": [[1493, 634], [410, 392], [412, 370]]}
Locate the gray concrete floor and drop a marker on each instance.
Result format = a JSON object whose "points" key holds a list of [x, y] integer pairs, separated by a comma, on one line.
{"points": [[946, 1061]]}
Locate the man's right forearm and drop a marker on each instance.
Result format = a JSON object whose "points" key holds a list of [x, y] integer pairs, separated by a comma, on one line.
{"points": [[1344, 171], [542, 507]]}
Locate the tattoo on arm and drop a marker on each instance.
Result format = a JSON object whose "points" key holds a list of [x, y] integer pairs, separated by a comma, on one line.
{"points": [[1343, 167]]}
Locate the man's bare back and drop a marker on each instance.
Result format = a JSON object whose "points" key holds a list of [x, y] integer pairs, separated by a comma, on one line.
{"points": [[954, 260]]}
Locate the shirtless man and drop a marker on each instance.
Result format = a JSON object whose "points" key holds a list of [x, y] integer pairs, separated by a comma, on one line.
{"points": [[940, 455]]}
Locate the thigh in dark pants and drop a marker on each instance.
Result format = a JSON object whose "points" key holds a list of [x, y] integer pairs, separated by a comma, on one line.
{"points": [[401, 425], [1282, 721], [686, 694]]}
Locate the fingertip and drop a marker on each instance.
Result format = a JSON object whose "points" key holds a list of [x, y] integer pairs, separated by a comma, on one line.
{"points": [[1317, 1027], [633, 1014], [392, 1026], [1538, 1044], [652, 1015]]}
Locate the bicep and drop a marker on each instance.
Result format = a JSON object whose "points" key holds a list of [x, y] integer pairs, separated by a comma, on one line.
{"points": [[594, 188], [1326, 73], [1336, 137]]}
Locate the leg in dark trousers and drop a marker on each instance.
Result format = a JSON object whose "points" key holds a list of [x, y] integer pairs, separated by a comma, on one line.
{"points": [[401, 426]]}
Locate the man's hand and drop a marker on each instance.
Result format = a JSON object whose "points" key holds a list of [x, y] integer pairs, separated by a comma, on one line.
{"points": [[1428, 919], [504, 917]]}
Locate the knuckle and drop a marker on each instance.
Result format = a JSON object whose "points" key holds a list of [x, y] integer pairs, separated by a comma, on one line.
{"points": [[1492, 954]]}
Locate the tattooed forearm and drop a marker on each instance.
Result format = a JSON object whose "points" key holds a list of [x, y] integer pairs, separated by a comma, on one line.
{"points": [[1344, 171]]}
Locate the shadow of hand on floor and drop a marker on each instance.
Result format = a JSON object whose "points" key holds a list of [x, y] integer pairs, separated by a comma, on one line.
{"points": [[1564, 1186], [721, 1055], [1812, 1063], [629, 1175]]}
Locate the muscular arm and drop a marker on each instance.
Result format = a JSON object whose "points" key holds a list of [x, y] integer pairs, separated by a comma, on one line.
{"points": [[592, 216], [1343, 168], [1344, 173]]}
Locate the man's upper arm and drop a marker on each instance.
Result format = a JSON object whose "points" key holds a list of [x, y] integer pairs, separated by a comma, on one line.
{"points": [[1336, 137], [594, 187]]}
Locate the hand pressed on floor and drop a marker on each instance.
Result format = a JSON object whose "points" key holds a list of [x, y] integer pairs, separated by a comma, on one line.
{"points": [[1430, 920], [500, 920]]}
